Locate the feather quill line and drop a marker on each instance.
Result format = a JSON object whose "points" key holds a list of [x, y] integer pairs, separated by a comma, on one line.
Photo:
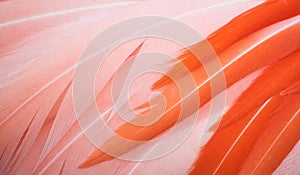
{"points": [[66, 12], [279, 135], [240, 135], [92, 159]]}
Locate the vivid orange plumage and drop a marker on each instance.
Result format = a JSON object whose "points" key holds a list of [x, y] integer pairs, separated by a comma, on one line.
{"points": [[228, 103]]}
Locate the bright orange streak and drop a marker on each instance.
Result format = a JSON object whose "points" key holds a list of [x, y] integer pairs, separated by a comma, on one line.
{"points": [[228, 150], [234, 69]]}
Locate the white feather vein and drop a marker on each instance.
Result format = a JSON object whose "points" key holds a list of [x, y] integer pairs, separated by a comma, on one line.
{"points": [[63, 12], [274, 142], [241, 134]]}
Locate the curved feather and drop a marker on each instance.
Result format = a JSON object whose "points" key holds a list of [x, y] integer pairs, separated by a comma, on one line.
{"points": [[35, 90], [228, 150], [236, 60], [263, 15], [275, 79]]}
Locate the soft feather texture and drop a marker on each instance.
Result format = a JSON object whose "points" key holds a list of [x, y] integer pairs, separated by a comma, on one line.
{"points": [[237, 61], [231, 148], [40, 43]]}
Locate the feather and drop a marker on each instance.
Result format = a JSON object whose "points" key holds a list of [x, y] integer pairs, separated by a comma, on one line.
{"points": [[282, 77], [261, 16], [235, 65], [250, 150], [290, 164], [229, 155], [277, 140], [41, 42]]}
